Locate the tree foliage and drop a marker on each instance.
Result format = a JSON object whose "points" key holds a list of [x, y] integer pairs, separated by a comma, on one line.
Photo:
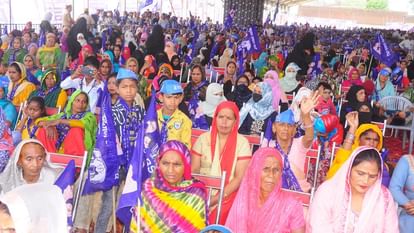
{"points": [[377, 4]]}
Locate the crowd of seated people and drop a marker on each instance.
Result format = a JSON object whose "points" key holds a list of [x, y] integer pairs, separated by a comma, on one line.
{"points": [[259, 119]]}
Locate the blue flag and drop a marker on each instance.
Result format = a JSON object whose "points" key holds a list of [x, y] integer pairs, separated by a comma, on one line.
{"points": [[268, 20], [145, 4], [104, 166], [193, 43], [253, 38], [65, 182], [276, 10], [5, 30], [228, 23], [142, 164], [42, 38], [382, 52], [104, 39]]}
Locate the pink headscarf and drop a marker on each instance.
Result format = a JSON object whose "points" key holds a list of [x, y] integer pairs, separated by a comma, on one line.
{"points": [[350, 81], [280, 212], [330, 210], [278, 93]]}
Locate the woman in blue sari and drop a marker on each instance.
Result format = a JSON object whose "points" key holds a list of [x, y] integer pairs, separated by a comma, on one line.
{"points": [[8, 108], [402, 189]]}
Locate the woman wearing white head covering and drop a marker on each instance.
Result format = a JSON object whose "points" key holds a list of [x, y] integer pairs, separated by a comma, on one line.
{"points": [[22, 167], [288, 83], [36, 208], [303, 92], [81, 39], [214, 96]]}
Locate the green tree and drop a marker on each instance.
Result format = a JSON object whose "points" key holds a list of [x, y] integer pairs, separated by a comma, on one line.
{"points": [[377, 4]]}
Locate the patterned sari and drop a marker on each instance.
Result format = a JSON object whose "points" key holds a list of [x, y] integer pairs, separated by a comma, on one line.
{"points": [[167, 208]]}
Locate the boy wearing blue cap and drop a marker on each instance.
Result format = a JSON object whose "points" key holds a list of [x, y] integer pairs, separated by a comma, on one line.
{"points": [[174, 124], [127, 113]]}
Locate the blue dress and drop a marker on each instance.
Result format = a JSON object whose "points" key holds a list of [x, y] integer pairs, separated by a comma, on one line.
{"points": [[402, 189]]}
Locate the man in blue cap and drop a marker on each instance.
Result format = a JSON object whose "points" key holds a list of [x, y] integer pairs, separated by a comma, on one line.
{"points": [[127, 113], [292, 149], [174, 124]]}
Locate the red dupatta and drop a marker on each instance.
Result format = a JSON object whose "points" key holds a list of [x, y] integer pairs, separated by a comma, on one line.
{"points": [[229, 149]]}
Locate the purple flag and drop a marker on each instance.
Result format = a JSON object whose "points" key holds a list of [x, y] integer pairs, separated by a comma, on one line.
{"points": [[104, 39], [65, 182], [42, 38], [382, 52], [228, 23], [268, 20], [5, 30], [142, 164], [276, 10], [104, 166], [253, 38], [268, 134]]}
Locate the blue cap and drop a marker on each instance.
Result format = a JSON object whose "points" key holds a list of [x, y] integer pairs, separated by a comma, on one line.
{"points": [[125, 73], [216, 227], [286, 117], [171, 87]]}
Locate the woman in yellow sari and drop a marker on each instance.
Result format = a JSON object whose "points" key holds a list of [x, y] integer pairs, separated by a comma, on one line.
{"points": [[19, 88]]}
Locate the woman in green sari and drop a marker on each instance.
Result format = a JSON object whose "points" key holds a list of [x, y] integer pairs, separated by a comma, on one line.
{"points": [[50, 90], [72, 131]]}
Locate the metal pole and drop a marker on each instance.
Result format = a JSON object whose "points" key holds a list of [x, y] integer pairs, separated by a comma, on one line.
{"points": [[10, 14], [73, 9], [124, 6]]}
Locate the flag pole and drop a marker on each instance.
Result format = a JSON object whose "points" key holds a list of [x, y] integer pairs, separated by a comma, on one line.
{"points": [[113, 209], [369, 67]]}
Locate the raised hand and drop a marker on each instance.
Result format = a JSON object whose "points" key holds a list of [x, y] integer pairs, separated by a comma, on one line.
{"points": [[352, 119], [309, 103]]}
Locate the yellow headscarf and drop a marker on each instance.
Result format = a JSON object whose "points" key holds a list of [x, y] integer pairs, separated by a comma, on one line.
{"points": [[363, 128]]}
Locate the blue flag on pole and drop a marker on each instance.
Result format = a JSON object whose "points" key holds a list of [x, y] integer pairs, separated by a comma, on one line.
{"points": [[42, 38], [103, 171], [65, 182], [268, 134], [253, 37], [5, 32], [142, 164], [268, 20], [228, 23], [382, 52], [276, 10], [145, 4]]}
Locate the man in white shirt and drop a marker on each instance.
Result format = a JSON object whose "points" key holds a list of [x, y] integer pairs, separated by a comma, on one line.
{"points": [[407, 44], [86, 79]]}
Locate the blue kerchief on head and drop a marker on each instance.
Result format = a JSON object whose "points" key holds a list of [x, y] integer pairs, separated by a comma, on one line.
{"points": [[286, 117], [125, 73]]}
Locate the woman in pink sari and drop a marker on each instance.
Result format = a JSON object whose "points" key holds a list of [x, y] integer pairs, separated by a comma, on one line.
{"points": [[354, 199], [354, 78], [261, 205]]}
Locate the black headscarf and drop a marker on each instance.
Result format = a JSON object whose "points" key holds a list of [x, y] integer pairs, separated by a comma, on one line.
{"points": [[364, 117], [351, 96], [73, 44], [155, 43], [241, 93]]}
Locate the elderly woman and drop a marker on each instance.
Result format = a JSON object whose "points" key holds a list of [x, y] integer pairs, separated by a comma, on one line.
{"points": [[15, 53], [354, 199], [257, 111], [402, 189], [222, 149], [48, 56], [29, 164], [50, 90], [19, 88], [172, 201], [72, 131], [293, 150], [260, 194], [288, 83], [33, 208]]}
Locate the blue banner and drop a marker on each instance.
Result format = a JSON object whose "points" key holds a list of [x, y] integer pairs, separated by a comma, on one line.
{"points": [[103, 171], [65, 182], [382, 52]]}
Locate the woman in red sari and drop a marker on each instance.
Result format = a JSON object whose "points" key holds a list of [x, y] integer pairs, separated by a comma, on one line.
{"points": [[222, 149]]}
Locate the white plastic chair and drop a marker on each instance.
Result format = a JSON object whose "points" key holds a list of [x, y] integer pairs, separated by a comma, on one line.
{"points": [[399, 103]]}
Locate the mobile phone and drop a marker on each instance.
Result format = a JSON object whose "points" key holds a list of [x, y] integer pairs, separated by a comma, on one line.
{"points": [[86, 71]]}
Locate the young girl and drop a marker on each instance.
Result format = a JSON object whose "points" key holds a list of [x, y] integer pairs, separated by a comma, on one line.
{"points": [[34, 110]]}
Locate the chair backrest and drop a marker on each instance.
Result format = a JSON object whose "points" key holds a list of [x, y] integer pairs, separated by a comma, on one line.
{"points": [[52, 111], [381, 125], [195, 133], [213, 183], [290, 97], [396, 103], [219, 70], [177, 73], [64, 159], [216, 228], [304, 198], [253, 140], [312, 155], [344, 90]]}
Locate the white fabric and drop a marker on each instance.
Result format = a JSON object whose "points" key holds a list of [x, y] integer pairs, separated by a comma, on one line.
{"points": [[37, 208]]}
